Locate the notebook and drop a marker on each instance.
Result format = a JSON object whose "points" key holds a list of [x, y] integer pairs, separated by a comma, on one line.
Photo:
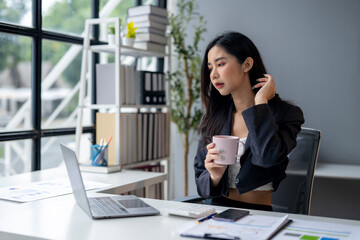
{"points": [[102, 207]]}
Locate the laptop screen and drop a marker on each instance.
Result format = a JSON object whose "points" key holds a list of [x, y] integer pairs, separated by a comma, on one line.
{"points": [[76, 181]]}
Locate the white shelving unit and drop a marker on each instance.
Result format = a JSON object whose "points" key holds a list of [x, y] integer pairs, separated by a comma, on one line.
{"points": [[118, 50]]}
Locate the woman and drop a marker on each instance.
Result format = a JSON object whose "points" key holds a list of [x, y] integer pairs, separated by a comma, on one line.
{"points": [[240, 100]]}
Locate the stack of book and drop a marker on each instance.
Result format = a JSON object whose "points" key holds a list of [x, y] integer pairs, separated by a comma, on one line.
{"points": [[136, 87], [143, 136], [152, 22], [105, 84]]}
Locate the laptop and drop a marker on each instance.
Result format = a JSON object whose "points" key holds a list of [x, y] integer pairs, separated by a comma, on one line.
{"points": [[102, 207]]}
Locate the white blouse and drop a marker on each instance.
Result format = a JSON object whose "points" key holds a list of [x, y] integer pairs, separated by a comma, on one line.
{"points": [[234, 170]]}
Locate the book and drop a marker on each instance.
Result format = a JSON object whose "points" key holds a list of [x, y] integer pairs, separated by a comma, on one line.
{"points": [[99, 169], [148, 24], [149, 37], [147, 9], [151, 30], [122, 84], [123, 139], [166, 127], [145, 136], [154, 47], [130, 94], [128, 140], [131, 138], [105, 75], [128, 84], [150, 140], [156, 135], [146, 17], [140, 133], [105, 84], [161, 133]]}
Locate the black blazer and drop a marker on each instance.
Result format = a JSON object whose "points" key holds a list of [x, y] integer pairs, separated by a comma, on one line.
{"points": [[273, 128]]}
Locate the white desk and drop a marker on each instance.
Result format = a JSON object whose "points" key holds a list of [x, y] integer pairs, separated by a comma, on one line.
{"points": [[61, 218], [121, 182], [332, 171], [334, 184], [338, 171]]}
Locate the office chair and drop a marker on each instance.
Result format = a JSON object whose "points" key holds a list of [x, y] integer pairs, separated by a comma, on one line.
{"points": [[295, 191]]}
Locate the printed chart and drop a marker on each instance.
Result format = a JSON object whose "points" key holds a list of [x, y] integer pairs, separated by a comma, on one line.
{"points": [[254, 227], [44, 189], [312, 230]]}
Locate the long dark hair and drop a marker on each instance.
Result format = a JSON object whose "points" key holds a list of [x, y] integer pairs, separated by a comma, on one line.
{"points": [[216, 105]]}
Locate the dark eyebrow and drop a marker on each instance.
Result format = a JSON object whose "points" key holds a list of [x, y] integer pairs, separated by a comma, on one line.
{"points": [[218, 59]]}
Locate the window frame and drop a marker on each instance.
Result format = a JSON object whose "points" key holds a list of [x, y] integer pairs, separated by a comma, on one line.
{"points": [[37, 35]]}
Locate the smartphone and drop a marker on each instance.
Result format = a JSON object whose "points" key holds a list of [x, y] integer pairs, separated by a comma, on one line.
{"points": [[231, 215]]}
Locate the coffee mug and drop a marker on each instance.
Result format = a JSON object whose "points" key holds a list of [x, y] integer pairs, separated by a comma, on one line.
{"points": [[231, 147]]}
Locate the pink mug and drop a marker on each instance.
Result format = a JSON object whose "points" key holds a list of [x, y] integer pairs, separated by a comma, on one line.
{"points": [[231, 147]]}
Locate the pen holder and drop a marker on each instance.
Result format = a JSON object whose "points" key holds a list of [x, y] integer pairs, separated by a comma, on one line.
{"points": [[99, 155]]}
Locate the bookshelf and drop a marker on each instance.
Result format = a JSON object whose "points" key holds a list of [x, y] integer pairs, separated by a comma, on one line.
{"points": [[117, 108]]}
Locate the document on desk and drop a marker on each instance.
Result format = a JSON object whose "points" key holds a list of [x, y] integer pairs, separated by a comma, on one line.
{"points": [[304, 229], [253, 227], [43, 189]]}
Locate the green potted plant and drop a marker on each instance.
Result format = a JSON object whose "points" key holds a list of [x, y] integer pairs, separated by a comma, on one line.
{"points": [[130, 36], [111, 34], [185, 80]]}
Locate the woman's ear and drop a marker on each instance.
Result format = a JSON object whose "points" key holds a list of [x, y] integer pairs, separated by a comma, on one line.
{"points": [[248, 64]]}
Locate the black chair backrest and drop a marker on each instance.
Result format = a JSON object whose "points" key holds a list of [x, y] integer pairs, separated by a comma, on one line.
{"points": [[295, 191]]}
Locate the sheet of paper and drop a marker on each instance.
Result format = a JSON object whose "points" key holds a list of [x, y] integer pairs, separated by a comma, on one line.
{"points": [[301, 229], [250, 227], [43, 189]]}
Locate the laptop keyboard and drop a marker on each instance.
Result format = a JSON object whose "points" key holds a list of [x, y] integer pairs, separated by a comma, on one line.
{"points": [[106, 206]]}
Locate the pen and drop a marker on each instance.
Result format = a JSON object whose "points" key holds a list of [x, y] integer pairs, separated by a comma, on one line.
{"points": [[205, 218], [222, 236], [102, 151]]}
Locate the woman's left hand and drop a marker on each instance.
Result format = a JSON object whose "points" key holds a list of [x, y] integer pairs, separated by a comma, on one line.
{"points": [[267, 89]]}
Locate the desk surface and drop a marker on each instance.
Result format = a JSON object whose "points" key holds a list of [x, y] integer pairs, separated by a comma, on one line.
{"points": [[121, 182], [338, 171], [61, 218], [123, 178], [332, 171]]}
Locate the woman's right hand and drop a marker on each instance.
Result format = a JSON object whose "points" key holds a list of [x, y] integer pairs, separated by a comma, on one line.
{"points": [[216, 170]]}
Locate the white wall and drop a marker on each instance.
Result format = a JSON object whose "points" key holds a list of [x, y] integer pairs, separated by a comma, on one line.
{"points": [[312, 48]]}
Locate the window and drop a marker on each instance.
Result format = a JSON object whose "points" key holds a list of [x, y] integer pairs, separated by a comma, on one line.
{"points": [[16, 11], [50, 150], [119, 11], [61, 64], [65, 16], [41, 45], [14, 157], [15, 82]]}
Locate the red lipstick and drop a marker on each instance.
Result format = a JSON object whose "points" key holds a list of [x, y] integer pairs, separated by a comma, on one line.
{"points": [[219, 85]]}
